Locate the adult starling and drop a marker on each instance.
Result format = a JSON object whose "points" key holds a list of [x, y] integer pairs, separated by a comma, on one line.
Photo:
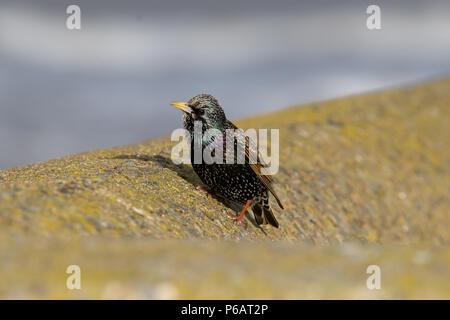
{"points": [[239, 182]]}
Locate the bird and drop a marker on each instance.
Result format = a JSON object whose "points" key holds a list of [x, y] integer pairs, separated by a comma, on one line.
{"points": [[239, 182]]}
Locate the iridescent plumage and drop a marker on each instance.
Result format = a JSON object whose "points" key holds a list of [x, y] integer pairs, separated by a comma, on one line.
{"points": [[238, 182]]}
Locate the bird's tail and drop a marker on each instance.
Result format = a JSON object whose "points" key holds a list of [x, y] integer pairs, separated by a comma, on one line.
{"points": [[262, 211]]}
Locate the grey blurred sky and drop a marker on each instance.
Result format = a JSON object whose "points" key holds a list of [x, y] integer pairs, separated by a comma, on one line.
{"points": [[111, 83]]}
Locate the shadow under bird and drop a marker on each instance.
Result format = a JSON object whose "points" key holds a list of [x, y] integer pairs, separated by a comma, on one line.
{"points": [[239, 182]]}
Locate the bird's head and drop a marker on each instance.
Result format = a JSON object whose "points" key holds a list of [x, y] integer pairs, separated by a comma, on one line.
{"points": [[204, 108]]}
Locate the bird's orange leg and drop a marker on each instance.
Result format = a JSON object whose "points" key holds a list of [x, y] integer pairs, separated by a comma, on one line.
{"points": [[239, 217], [204, 190]]}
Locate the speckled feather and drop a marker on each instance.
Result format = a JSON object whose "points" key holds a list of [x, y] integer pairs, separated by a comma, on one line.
{"points": [[236, 182]]}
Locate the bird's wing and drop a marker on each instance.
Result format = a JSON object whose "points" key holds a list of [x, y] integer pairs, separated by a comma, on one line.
{"points": [[255, 160]]}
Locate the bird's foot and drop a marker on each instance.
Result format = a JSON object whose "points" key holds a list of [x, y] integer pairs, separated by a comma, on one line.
{"points": [[205, 190], [238, 218]]}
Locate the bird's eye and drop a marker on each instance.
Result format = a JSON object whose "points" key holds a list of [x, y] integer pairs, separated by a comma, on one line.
{"points": [[201, 112]]}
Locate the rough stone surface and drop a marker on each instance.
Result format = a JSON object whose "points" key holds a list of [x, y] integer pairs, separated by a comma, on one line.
{"points": [[369, 169]]}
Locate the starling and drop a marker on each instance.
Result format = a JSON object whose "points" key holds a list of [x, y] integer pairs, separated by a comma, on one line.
{"points": [[239, 182]]}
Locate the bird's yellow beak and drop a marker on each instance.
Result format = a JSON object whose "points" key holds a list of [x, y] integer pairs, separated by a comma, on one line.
{"points": [[183, 106]]}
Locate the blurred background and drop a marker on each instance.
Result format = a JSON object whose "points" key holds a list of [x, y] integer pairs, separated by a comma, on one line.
{"points": [[65, 91]]}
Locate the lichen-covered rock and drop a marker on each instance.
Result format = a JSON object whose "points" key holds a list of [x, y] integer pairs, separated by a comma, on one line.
{"points": [[363, 169], [369, 168]]}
